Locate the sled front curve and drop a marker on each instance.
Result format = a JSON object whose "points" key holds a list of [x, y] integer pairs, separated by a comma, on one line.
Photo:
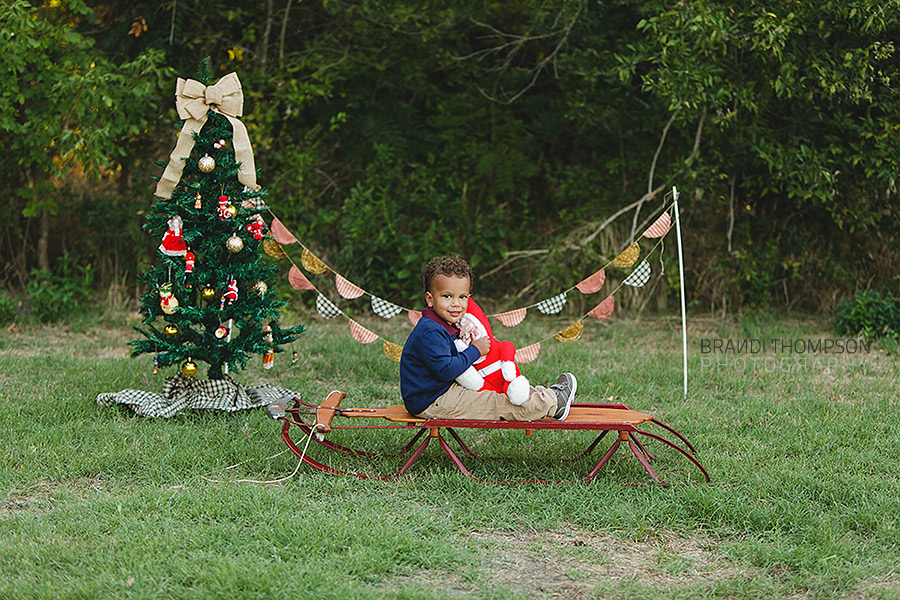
{"points": [[583, 416]]}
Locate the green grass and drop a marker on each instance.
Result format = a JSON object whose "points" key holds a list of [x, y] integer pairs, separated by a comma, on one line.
{"points": [[98, 502]]}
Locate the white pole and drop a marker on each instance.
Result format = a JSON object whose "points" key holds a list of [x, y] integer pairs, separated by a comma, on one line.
{"points": [[681, 282]]}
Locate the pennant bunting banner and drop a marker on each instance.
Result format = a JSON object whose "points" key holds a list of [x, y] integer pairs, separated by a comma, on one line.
{"points": [[660, 227], [298, 280], [360, 333], [281, 234], [414, 316], [528, 353], [553, 305], [273, 248], [392, 351], [593, 283], [628, 256], [385, 309], [326, 308], [256, 202], [347, 289], [311, 263], [571, 333], [512, 318], [639, 276], [604, 310]]}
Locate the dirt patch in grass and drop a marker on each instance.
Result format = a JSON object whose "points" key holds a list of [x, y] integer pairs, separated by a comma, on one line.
{"points": [[40, 498], [573, 563]]}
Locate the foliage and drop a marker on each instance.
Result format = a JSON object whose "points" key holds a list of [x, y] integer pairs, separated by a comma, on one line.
{"points": [[58, 295], [495, 128], [869, 312]]}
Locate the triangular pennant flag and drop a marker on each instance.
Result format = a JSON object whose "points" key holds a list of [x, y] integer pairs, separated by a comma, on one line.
{"points": [[414, 316], [593, 283], [298, 280], [347, 289], [361, 334], [281, 234], [639, 276], [571, 333], [392, 351], [660, 227], [528, 353], [326, 308], [553, 305], [512, 318], [311, 263], [604, 310], [628, 256], [385, 309], [273, 248]]}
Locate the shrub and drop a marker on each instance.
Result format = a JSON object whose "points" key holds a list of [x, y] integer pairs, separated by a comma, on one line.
{"points": [[58, 295], [869, 312]]}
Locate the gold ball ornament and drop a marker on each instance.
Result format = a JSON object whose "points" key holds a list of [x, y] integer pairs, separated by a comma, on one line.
{"points": [[206, 164], [189, 368], [260, 288], [234, 244], [207, 293], [170, 330]]}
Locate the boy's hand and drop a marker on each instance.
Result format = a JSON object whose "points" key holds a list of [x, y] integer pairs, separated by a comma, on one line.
{"points": [[483, 345]]}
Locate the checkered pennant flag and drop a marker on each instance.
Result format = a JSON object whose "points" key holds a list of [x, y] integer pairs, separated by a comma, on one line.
{"points": [[639, 276], [326, 308], [553, 305], [256, 202], [385, 309]]}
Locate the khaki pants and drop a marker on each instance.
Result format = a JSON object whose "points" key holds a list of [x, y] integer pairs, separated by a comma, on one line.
{"points": [[461, 403]]}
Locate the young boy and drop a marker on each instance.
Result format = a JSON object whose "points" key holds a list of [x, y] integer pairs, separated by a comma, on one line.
{"points": [[430, 362]]}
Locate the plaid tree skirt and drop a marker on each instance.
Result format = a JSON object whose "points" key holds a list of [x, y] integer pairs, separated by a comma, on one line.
{"points": [[182, 393]]}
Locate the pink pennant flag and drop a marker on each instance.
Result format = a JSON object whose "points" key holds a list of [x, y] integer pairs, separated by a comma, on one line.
{"points": [[281, 234], [298, 280], [528, 353], [347, 289], [512, 318], [360, 333], [660, 227], [604, 310], [593, 283], [414, 316]]}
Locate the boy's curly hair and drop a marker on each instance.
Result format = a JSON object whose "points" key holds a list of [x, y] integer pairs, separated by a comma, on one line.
{"points": [[451, 265]]}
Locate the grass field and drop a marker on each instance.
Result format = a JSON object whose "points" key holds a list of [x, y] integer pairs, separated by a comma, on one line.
{"points": [[802, 448]]}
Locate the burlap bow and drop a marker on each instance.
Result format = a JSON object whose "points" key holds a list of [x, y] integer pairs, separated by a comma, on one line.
{"points": [[193, 100]]}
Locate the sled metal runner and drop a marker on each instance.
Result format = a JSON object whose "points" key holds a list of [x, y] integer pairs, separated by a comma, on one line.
{"points": [[583, 416]]}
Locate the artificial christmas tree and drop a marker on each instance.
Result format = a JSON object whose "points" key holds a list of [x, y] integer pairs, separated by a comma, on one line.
{"points": [[210, 287]]}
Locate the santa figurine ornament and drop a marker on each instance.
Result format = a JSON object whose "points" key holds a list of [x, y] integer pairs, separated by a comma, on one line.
{"points": [[173, 240], [230, 295], [497, 370]]}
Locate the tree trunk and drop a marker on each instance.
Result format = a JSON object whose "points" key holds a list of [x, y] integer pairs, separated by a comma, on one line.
{"points": [[44, 242]]}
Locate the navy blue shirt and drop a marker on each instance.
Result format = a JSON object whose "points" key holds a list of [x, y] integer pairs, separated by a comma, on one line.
{"points": [[430, 363]]}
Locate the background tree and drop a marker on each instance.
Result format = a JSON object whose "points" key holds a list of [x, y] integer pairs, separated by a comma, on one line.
{"points": [[511, 131]]}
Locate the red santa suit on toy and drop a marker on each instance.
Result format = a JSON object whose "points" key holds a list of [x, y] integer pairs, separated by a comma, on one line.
{"points": [[230, 295], [173, 240], [497, 370]]}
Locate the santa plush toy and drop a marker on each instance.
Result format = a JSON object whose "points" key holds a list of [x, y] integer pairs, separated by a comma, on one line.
{"points": [[497, 370]]}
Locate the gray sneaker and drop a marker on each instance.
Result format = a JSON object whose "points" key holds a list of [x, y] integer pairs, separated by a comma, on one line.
{"points": [[565, 388]]}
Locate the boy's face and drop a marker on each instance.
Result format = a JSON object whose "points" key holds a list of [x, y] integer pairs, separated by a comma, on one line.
{"points": [[448, 297]]}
